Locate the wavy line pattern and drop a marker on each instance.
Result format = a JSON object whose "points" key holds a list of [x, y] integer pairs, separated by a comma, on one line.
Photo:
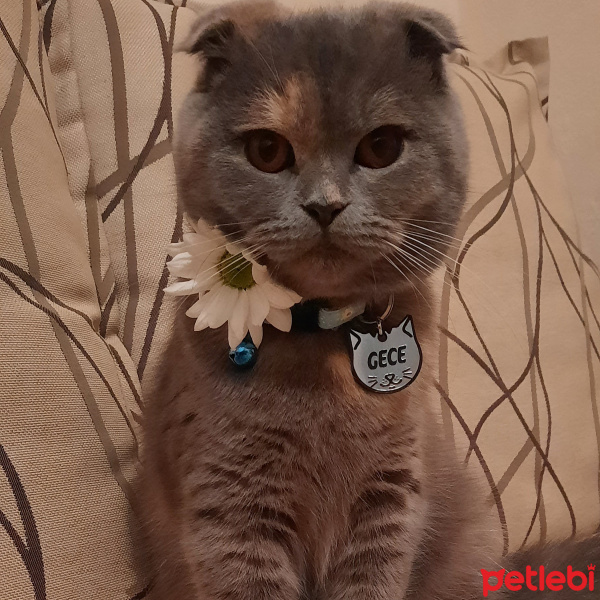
{"points": [[515, 207], [50, 320], [29, 549]]}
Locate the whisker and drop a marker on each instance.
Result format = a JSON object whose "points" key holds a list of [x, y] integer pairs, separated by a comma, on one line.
{"points": [[231, 267], [213, 248], [410, 242], [237, 223], [436, 264], [236, 262], [473, 289], [429, 221], [373, 273], [433, 231], [454, 264], [415, 261], [271, 68], [432, 238], [432, 262], [214, 267], [407, 278]]}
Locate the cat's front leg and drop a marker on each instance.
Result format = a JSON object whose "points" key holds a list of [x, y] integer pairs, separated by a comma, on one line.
{"points": [[240, 534], [375, 559]]}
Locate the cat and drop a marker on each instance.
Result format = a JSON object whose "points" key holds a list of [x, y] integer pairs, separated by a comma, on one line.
{"points": [[325, 138]]}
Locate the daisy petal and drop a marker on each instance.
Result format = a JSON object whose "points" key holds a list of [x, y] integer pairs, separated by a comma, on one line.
{"points": [[184, 256], [182, 265], [295, 298], [278, 297], [259, 273], [202, 248], [233, 338], [259, 305], [249, 256], [233, 248], [238, 323], [196, 308], [256, 333], [186, 266], [211, 300], [223, 307], [280, 318], [175, 248], [191, 238], [204, 229], [204, 272], [208, 280], [206, 266], [200, 324], [184, 288]]}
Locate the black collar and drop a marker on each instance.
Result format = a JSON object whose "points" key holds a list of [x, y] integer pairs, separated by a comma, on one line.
{"points": [[305, 316]]}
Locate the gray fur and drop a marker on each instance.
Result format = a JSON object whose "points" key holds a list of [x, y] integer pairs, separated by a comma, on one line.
{"points": [[363, 73]]}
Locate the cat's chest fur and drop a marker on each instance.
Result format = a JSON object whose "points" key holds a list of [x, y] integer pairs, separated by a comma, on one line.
{"points": [[297, 425]]}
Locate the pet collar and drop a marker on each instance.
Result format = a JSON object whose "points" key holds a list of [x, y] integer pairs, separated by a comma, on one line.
{"points": [[233, 288]]}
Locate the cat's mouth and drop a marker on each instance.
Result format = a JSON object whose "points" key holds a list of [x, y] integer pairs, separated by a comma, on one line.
{"points": [[329, 271], [343, 272]]}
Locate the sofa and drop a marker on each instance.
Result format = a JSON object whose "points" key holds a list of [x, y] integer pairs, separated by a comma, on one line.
{"points": [[89, 95]]}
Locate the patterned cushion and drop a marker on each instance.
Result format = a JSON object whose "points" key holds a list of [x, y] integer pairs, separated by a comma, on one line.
{"points": [[68, 390], [83, 318], [519, 346]]}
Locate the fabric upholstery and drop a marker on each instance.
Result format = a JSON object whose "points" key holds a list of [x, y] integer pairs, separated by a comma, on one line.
{"points": [[68, 394], [519, 354], [574, 86], [87, 207]]}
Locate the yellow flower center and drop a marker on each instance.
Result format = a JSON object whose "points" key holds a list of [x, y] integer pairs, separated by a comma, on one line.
{"points": [[236, 271]]}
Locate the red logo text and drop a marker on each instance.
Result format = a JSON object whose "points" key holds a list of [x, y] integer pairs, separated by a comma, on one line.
{"points": [[539, 580]]}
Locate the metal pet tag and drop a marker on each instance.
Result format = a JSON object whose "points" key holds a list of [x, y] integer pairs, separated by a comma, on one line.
{"points": [[386, 362]]}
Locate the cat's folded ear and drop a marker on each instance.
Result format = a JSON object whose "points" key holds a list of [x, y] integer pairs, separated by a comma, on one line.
{"points": [[209, 38], [215, 31], [431, 35]]}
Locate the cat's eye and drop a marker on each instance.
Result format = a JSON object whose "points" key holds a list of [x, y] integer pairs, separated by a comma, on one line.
{"points": [[268, 151], [380, 148]]}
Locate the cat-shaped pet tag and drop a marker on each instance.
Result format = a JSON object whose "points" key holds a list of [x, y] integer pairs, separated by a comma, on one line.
{"points": [[386, 361]]}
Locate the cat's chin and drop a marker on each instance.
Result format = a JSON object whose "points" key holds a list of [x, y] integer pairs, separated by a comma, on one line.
{"points": [[319, 280]]}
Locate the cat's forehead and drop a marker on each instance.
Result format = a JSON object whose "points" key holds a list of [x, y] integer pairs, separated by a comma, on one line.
{"points": [[308, 78], [299, 110], [293, 108]]}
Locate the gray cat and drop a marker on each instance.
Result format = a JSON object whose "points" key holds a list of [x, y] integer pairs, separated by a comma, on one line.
{"points": [[328, 139]]}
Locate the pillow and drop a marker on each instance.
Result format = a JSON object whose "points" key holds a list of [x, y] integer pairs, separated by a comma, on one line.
{"points": [[118, 98], [519, 361], [67, 393]]}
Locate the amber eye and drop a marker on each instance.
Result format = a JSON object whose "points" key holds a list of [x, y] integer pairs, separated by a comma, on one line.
{"points": [[380, 148], [268, 151]]}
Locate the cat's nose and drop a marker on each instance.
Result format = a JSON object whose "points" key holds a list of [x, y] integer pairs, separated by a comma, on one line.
{"points": [[324, 213]]}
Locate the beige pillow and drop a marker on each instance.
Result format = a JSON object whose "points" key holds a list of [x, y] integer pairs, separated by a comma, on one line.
{"points": [[118, 85], [117, 100], [519, 354], [66, 396]]}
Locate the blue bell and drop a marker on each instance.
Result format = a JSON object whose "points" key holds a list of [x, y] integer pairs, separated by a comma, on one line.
{"points": [[244, 356]]}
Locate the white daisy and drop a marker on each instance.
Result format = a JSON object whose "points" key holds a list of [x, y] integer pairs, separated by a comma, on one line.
{"points": [[231, 286]]}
